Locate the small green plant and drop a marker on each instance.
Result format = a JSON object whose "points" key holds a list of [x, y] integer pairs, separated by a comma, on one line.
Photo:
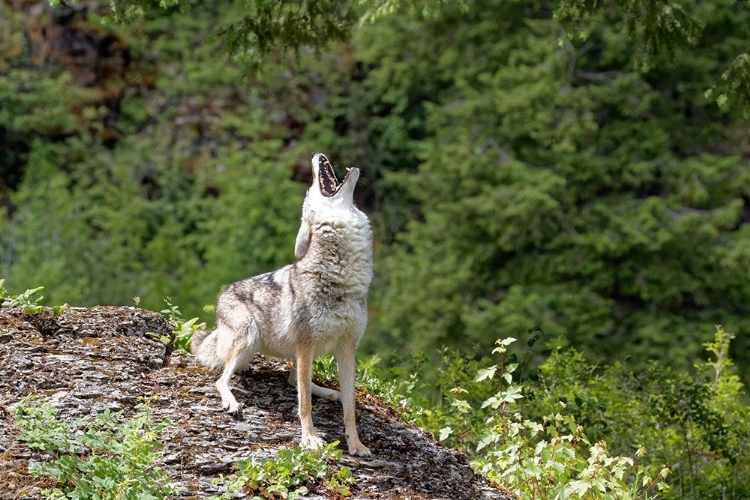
{"points": [[392, 390], [28, 301], [103, 457], [340, 482], [324, 368], [182, 330], [287, 474]]}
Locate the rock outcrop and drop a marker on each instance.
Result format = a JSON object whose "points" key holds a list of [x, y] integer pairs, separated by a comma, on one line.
{"points": [[87, 360]]}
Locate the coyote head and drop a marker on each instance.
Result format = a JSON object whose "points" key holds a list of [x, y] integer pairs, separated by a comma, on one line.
{"points": [[326, 199], [326, 190]]}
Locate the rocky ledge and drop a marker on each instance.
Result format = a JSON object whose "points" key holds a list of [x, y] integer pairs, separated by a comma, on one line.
{"points": [[87, 360]]}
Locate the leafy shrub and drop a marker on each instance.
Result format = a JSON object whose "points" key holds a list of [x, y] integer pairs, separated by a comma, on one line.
{"points": [[26, 300], [546, 459], [393, 387], [182, 332], [287, 474], [102, 457], [582, 431], [698, 425], [324, 368]]}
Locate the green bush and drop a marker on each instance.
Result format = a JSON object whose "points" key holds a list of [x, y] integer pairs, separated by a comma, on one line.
{"points": [[182, 330], [287, 473], [697, 424], [104, 457], [572, 430], [545, 458]]}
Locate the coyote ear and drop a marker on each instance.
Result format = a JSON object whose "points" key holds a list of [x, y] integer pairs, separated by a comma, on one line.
{"points": [[303, 240]]}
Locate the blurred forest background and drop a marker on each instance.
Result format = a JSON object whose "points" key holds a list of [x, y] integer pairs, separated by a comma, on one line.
{"points": [[522, 180], [572, 174]]}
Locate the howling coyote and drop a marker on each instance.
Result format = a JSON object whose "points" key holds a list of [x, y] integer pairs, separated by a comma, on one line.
{"points": [[318, 305]]}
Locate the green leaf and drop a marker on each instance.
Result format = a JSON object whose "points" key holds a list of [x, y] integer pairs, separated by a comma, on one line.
{"points": [[492, 401], [511, 394], [486, 373], [444, 433], [485, 441]]}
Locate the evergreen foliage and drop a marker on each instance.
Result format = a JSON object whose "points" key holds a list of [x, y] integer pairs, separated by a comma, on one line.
{"points": [[581, 194], [531, 180], [156, 214], [558, 168]]}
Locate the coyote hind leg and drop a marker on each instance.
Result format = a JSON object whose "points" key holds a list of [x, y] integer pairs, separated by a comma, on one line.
{"points": [[321, 392], [239, 350], [228, 402]]}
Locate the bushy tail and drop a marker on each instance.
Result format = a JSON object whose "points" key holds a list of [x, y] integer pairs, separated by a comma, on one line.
{"points": [[198, 337], [204, 346]]}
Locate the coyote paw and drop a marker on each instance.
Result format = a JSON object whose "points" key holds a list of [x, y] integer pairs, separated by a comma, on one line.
{"points": [[234, 409], [334, 396], [313, 442], [359, 450]]}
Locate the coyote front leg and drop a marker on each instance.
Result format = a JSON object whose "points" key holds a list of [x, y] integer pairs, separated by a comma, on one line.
{"points": [[347, 372], [304, 391]]}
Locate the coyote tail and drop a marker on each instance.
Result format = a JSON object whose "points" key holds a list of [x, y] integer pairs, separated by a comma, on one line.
{"points": [[198, 337], [205, 349]]}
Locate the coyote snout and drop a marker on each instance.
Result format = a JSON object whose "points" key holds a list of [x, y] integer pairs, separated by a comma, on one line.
{"points": [[317, 305]]}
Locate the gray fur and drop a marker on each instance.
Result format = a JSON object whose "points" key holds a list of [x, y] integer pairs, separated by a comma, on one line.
{"points": [[317, 305]]}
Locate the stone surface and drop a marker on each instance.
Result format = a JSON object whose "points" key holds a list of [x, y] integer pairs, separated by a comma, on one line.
{"points": [[85, 361]]}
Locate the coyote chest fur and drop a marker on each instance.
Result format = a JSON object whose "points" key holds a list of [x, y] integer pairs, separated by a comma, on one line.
{"points": [[318, 305]]}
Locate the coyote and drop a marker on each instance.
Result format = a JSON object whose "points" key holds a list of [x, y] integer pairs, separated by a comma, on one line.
{"points": [[318, 305]]}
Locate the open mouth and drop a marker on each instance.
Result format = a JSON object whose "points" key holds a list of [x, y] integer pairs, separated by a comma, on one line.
{"points": [[329, 184]]}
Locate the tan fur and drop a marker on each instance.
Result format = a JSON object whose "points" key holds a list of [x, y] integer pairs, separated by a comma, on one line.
{"points": [[315, 306]]}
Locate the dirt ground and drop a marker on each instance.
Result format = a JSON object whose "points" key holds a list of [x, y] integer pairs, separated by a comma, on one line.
{"points": [[87, 360]]}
